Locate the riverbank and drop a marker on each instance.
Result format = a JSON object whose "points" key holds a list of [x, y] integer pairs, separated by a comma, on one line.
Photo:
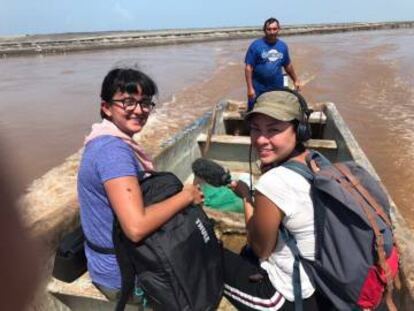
{"points": [[72, 42]]}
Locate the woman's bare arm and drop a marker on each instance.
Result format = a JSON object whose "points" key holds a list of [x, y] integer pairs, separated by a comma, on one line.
{"points": [[137, 222], [263, 226]]}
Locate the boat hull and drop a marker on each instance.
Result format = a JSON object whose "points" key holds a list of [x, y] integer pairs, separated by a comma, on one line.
{"points": [[50, 221]]}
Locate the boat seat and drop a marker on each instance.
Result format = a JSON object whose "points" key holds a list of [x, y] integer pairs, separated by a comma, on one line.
{"points": [[316, 117], [232, 151], [82, 295], [316, 144], [234, 123], [82, 287]]}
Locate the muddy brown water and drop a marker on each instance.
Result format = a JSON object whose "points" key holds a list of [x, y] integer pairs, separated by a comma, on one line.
{"points": [[49, 102]]}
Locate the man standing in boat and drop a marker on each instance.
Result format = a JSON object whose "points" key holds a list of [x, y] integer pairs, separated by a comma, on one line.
{"points": [[264, 60]]}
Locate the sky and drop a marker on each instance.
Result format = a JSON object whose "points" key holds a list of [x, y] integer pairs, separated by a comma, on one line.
{"points": [[19, 17]]}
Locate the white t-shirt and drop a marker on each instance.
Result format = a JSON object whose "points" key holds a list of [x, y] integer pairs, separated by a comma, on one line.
{"points": [[291, 193]]}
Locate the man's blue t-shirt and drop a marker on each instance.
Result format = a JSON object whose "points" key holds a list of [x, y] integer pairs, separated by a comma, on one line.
{"points": [[267, 60], [104, 158]]}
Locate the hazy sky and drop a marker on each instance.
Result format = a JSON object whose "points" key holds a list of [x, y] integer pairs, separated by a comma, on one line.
{"points": [[53, 16]]}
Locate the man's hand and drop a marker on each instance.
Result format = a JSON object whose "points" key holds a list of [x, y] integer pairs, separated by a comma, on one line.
{"points": [[251, 94], [292, 74], [297, 84]]}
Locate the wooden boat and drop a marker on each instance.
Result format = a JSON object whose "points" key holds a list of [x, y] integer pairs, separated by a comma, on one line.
{"points": [[223, 132]]}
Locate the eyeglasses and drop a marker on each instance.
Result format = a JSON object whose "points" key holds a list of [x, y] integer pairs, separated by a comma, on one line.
{"points": [[129, 104]]}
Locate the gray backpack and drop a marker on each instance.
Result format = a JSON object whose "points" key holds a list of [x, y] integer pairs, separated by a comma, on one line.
{"points": [[356, 259]]}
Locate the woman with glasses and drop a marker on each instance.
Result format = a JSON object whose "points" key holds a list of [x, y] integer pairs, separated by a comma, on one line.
{"points": [[111, 168]]}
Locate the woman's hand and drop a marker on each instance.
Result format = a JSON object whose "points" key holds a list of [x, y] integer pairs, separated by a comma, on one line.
{"points": [[241, 189], [196, 195]]}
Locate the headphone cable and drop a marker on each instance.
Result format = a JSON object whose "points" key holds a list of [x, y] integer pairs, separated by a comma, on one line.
{"points": [[250, 171]]}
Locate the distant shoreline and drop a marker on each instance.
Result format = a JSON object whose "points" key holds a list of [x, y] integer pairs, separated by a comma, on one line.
{"points": [[72, 42]]}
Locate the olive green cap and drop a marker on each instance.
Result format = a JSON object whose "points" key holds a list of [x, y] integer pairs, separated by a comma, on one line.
{"points": [[280, 105]]}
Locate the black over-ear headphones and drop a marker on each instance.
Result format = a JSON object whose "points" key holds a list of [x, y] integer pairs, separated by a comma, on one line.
{"points": [[303, 131]]}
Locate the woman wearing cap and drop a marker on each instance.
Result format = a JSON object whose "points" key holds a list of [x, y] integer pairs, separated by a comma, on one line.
{"points": [[278, 128], [111, 168]]}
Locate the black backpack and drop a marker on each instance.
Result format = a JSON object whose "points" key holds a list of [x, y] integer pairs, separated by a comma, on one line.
{"points": [[179, 267]]}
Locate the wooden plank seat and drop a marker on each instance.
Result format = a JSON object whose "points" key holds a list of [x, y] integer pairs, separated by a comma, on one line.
{"points": [[232, 151], [245, 140], [82, 295], [81, 287], [316, 117]]}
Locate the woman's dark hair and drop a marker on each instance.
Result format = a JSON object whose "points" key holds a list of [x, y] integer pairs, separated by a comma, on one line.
{"points": [[126, 80], [269, 21]]}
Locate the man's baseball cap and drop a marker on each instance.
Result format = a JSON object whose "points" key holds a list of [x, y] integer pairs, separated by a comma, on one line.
{"points": [[280, 105]]}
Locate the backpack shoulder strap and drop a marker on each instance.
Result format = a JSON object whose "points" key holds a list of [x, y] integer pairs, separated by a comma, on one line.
{"points": [[363, 192], [299, 168], [125, 264], [314, 161], [290, 241], [99, 249]]}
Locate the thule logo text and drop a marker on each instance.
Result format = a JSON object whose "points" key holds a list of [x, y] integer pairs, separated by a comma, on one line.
{"points": [[203, 230]]}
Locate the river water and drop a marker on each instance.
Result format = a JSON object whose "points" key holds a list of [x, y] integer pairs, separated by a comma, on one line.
{"points": [[49, 102]]}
